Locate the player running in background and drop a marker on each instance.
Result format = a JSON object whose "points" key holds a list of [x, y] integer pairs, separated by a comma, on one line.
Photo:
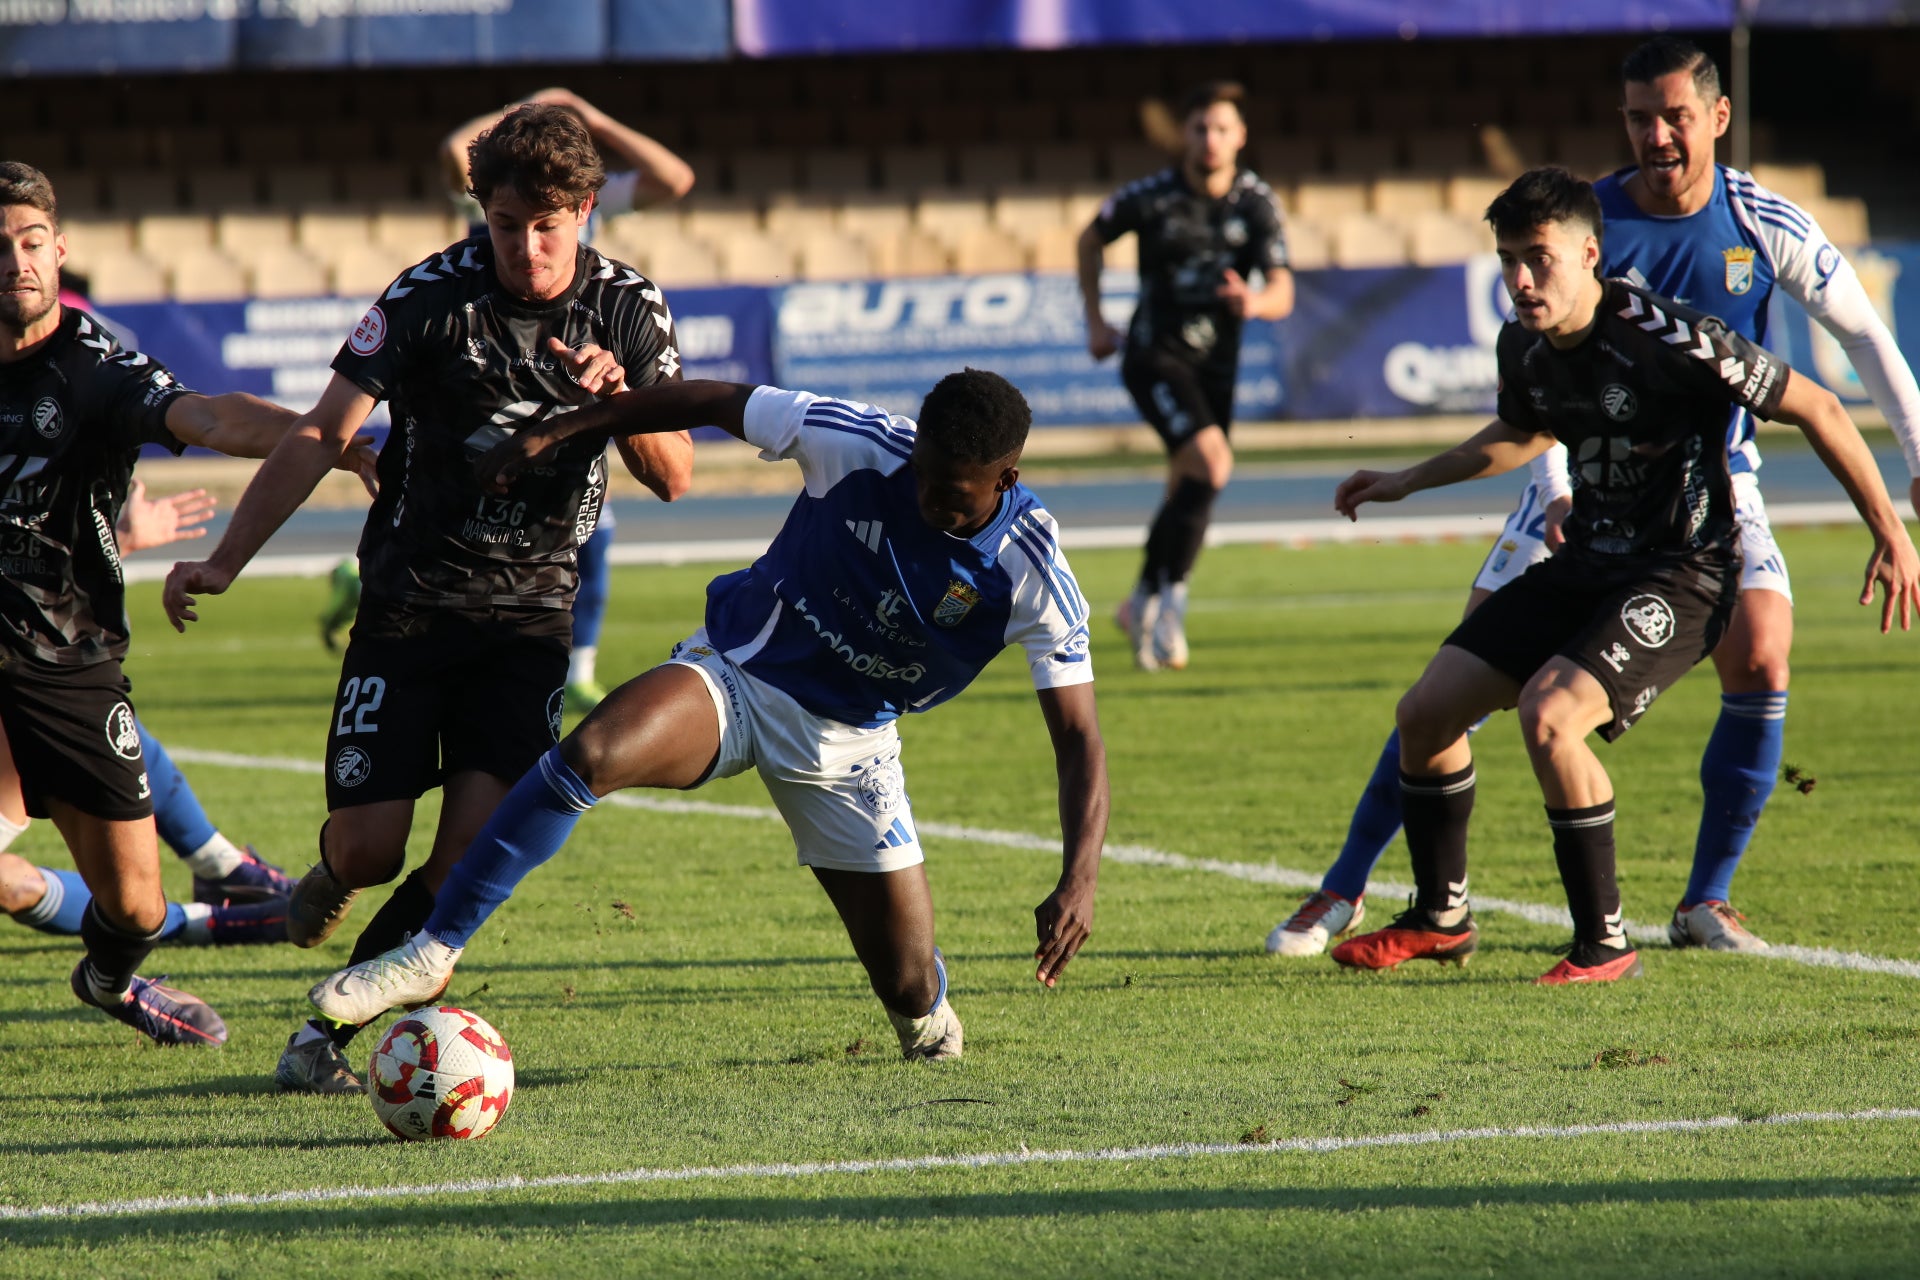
{"points": [[452, 678], [911, 559], [1636, 387], [1206, 228], [74, 410], [1715, 240], [641, 173]]}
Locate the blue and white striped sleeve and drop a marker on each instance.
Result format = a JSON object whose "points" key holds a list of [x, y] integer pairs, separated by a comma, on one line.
{"points": [[829, 438], [1049, 615]]}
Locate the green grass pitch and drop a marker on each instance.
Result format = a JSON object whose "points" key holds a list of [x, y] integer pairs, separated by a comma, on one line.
{"points": [[678, 994]]}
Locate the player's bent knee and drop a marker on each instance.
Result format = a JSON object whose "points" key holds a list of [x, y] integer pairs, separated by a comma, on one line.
{"points": [[21, 884], [361, 856], [1555, 715]]}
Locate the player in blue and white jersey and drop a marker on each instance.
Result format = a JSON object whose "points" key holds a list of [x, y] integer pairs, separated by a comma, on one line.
{"points": [[1714, 239], [912, 558]]}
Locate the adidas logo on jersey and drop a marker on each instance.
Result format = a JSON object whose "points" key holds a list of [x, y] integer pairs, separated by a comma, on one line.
{"points": [[868, 531]]}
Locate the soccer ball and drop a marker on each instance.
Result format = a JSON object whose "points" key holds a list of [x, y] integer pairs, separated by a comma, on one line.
{"points": [[440, 1073]]}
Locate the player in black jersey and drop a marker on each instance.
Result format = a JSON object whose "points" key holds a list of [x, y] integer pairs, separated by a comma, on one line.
{"points": [[1207, 228], [453, 674], [74, 410], [1637, 387]]}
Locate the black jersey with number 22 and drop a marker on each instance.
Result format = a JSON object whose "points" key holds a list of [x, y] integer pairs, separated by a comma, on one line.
{"points": [[463, 364], [1641, 404]]}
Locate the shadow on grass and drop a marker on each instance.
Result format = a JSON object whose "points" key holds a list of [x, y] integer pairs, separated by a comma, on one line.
{"points": [[645, 1209]]}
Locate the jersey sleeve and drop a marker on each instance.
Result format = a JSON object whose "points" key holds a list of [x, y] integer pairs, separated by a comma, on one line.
{"points": [[1121, 212], [830, 439], [131, 395], [376, 355], [1716, 361], [1048, 617], [1266, 250], [1513, 403], [644, 341]]}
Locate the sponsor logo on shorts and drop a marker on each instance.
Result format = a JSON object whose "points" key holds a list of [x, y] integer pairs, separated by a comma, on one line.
{"points": [[956, 604], [352, 766], [1649, 620], [882, 787], [122, 734], [1618, 402], [1617, 656], [556, 706], [46, 417], [369, 333]]}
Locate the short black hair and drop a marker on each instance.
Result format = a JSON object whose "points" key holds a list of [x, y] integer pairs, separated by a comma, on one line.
{"points": [[975, 416], [1664, 55], [1202, 96], [1540, 196], [21, 183]]}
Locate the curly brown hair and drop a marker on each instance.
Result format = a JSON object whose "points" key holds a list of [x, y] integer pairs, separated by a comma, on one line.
{"points": [[542, 152], [21, 183]]}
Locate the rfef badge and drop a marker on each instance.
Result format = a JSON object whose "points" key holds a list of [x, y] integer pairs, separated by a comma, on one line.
{"points": [[956, 604], [1739, 269]]}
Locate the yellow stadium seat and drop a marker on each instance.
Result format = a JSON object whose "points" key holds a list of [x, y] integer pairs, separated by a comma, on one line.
{"points": [[1843, 218], [1468, 196], [1327, 200], [360, 268], [143, 190], [123, 277], [1067, 163], [245, 234], [286, 272], [1055, 248], [1129, 160], [1307, 245], [831, 255], [798, 214], [910, 252], [987, 248], [1398, 197], [947, 215], [96, 234], [329, 232], [1801, 183], [1024, 209], [395, 181], [719, 218], [874, 215], [760, 172], [415, 230], [292, 185], [204, 275], [1436, 238], [161, 236], [683, 263], [1362, 241], [912, 168], [753, 258]]}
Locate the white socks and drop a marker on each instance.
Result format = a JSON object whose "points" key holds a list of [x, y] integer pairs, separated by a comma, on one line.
{"points": [[580, 663], [215, 859], [10, 831]]}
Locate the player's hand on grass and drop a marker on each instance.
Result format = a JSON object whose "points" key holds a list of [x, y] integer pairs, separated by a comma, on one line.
{"points": [[1368, 486], [154, 522], [1896, 567], [1102, 339], [1063, 924], [1553, 528], [593, 367], [1236, 293], [363, 460], [188, 580]]}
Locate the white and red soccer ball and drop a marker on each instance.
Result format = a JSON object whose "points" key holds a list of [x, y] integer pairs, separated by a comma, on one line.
{"points": [[440, 1073]]}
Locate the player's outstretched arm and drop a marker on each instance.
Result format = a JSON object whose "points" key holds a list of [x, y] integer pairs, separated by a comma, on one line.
{"points": [[1064, 921], [644, 411], [1494, 450], [1894, 565], [154, 522], [308, 447]]}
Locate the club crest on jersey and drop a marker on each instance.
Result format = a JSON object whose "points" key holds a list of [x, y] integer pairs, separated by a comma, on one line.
{"points": [[46, 417], [956, 604], [1739, 269], [122, 734], [1618, 402], [1649, 620], [351, 766], [369, 333]]}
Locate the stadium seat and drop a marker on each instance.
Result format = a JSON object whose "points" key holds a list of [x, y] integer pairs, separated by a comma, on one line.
{"points": [[117, 276], [834, 83], [244, 234], [1594, 151], [1401, 198], [105, 150], [1843, 218], [1800, 183], [1104, 120], [990, 165], [1511, 150], [1468, 196], [286, 272], [795, 215], [988, 248], [875, 216], [1129, 160], [164, 236], [106, 234], [1055, 248], [44, 149], [1436, 238], [354, 142], [143, 190], [77, 190], [912, 168], [682, 264], [1361, 241], [264, 144], [832, 255], [191, 147], [1067, 163], [947, 215], [793, 127], [727, 130], [204, 275], [222, 188], [1325, 113], [1442, 151], [1282, 160], [1327, 200], [1307, 247], [361, 268], [875, 126], [758, 172], [837, 169], [1363, 153], [754, 258], [1025, 210], [292, 185], [948, 123], [904, 81], [910, 252], [1083, 203], [719, 218], [1025, 122], [392, 180], [1397, 109], [414, 231], [776, 88], [1470, 108]]}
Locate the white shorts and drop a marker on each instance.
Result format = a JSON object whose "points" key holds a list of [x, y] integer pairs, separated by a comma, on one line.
{"points": [[839, 787], [1522, 543]]}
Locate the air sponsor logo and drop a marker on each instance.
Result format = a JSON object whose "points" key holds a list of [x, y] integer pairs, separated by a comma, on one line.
{"points": [[1648, 619]]}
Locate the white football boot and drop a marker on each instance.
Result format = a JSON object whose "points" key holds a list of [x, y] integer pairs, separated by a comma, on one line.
{"points": [[1322, 917], [1139, 616], [412, 974], [1170, 628], [1713, 925], [935, 1037]]}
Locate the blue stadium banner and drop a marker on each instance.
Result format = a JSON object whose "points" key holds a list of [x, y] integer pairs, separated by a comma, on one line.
{"points": [[333, 33], [888, 341], [655, 30], [78, 37], [774, 28]]}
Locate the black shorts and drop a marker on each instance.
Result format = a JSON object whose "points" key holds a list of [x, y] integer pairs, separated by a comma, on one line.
{"points": [[1635, 635], [446, 694], [1178, 395], [73, 738]]}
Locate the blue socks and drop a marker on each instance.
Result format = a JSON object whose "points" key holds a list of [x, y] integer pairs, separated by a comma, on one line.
{"points": [[596, 575], [1376, 819], [1737, 775], [183, 824], [64, 905], [528, 828]]}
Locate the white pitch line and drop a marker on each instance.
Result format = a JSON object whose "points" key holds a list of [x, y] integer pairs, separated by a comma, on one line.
{"points": [[915, 1164], [1144, 856]]}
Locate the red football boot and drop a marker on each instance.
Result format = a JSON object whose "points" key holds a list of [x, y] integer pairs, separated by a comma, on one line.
{"points": [[1412, 936], [1593, 962]]}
